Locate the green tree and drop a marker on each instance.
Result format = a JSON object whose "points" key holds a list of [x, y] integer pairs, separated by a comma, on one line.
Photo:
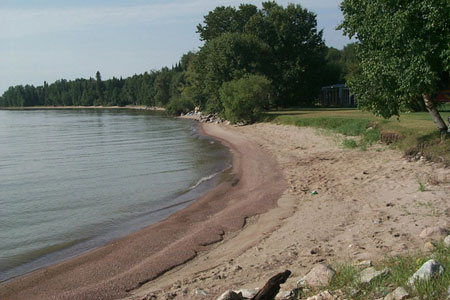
{"points": [[297, 60], [404, 49], [227, 57], [244, 99], [99, 88], [225, 19]]}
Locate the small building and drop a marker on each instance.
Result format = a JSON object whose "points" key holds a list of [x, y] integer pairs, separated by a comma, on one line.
{"points": [[336, 95]]}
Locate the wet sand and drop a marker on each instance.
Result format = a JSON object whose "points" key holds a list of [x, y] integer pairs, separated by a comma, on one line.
{"points": [[113, 271]]}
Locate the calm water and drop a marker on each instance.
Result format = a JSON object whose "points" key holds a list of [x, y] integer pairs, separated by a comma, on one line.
{"points": [[71, 180]]}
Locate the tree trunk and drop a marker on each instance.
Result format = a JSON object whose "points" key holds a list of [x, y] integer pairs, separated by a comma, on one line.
{"points": [[272, 287], [435, 116]]}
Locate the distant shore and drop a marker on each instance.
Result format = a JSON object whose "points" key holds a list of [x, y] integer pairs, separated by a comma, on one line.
{"points": [[137, 107], [116, 269]]}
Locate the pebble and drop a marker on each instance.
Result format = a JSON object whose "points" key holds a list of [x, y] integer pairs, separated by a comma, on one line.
{"points": [[433, 231], [427, 271], [367, 275], [398, 294], [447, 241], [320, 275]]}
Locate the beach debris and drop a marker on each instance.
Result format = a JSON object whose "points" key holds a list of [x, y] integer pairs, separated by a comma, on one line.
{"points": [[320, 275], [428, 270], [272, 287], [314, 192], [367, 275], [201, 292], [398, 294], [435, 231], [429, 246], [362, 264], [237, 268]]}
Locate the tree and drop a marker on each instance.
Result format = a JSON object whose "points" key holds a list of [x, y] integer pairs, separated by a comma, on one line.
{"points": [[404, 49], [99, 87], [227, 57], [297, 60], [225, 19], [244, 99]]}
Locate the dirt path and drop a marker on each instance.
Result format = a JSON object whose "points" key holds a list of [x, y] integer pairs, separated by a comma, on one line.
{"points": [[368, 206]]}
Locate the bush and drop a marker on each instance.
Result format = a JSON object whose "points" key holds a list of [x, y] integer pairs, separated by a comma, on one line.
{"points": [[245, 99], [178, 105]]}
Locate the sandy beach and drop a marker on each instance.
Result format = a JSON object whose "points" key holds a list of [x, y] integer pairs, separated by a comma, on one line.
{"points": [[262, 220], [112, 271], [368, 206]]}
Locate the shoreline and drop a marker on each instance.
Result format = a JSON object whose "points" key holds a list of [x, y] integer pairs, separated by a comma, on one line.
{"points": [[367, 207], [112, 271], [135, 107]]}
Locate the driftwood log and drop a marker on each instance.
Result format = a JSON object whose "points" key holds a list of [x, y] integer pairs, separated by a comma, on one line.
{"points": [[272, 287]]}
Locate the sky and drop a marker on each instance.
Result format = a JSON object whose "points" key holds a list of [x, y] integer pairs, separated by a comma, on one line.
{"points": [[47, 40]]}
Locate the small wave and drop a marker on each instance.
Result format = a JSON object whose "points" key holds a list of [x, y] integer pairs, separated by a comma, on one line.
{"points": [[203, 179]]}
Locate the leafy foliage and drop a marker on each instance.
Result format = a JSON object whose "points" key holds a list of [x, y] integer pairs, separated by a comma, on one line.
{"points": [[404, 49], [244, 99], [228, 57], [294, 51]]}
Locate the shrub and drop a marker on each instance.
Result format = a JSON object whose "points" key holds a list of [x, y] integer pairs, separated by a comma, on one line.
{"points": [[178, 105], [244, 99]]}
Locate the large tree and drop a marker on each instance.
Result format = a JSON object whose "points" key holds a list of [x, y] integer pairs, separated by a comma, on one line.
{"points": [[404, 49], [227, 57], [297, 60]]}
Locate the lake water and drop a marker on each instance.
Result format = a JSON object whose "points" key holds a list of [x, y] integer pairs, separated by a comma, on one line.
{"points": [[71, 180]]}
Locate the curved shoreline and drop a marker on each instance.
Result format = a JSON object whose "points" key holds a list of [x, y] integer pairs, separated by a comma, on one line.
{"points": [[113, 270]]}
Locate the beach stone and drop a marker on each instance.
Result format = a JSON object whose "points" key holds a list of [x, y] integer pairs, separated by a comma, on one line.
{"points": [[435, 231], [427, 271], [447, 241], [398, 294], [325, 295], [320, 275], [367, 275], [283, 294], [247, 293], [230, 295]]}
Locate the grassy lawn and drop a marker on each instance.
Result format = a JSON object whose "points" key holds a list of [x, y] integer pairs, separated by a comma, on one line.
{"points": [[411, 133]]}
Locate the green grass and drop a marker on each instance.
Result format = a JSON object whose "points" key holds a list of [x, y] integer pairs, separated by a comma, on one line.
{"points": [[422, 184], [413, 133], [401, 269]]}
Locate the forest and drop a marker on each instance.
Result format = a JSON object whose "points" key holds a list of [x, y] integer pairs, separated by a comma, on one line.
{"points": [[275, 49]]}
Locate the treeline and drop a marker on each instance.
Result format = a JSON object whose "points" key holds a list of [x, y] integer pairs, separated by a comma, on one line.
{"points": [[252, 59], [152, 89]]}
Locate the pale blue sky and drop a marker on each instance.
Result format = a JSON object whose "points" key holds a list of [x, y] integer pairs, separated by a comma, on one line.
{"points": [[54, 39]]}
